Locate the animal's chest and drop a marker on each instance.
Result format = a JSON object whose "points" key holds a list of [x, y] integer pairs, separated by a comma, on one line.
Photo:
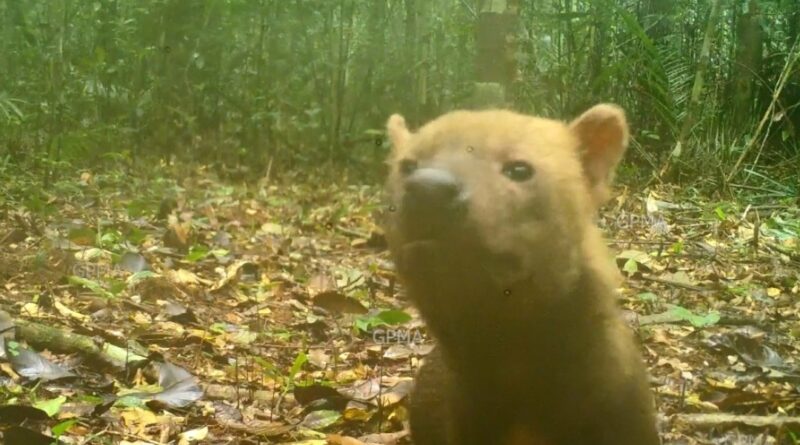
{"points": [[522, 435]]}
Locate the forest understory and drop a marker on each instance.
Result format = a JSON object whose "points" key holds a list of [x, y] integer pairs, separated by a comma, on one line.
{"points": [[269, 312]]}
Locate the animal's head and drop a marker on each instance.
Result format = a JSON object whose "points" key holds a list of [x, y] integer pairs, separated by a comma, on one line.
{"points": [[513, 191]]}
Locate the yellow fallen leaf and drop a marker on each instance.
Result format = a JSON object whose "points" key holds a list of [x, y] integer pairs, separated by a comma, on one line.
{"points": [[86, 178], [187, 437], [183, 276], [695, 401], [31, 310], [773, 292], [728, 383], [272, 228], [335, 439], [67, 312], [92, 253], [137, 420], [6, 368], [230, 275], [142, 318]]}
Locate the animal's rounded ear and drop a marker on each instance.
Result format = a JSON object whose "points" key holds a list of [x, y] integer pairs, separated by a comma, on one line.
{"points": [[603, 134], [398, 132]]}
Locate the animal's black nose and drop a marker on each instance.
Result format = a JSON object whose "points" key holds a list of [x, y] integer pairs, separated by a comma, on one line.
{"points": [[432, 188], [433, 200]]}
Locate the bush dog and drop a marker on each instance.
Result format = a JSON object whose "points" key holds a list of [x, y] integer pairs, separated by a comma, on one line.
{"points": [[491, 228]]}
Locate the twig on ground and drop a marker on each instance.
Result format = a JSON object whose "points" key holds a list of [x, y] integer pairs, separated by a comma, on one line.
{"points": [[714, 420], [674, 283]]}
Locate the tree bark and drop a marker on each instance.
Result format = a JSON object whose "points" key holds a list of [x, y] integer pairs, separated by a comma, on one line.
{"points": [[495, 61], [747, 64]]}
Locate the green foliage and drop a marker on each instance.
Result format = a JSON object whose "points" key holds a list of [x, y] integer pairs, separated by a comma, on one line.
{"points": [[299, 361], [92, 285], [246, 84], [698, 321], [390, 317], [62, 427], [51, 406]]}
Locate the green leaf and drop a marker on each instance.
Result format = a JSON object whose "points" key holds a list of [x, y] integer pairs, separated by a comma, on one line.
{"points": [[388, 317], [197, 253], [299, 361], [60, 428], [219, 253], [720, 213], [368, 322], [117, 286], [218, 328], [130, 401], [52, 406], [647, 296], [93, 286], [364, 324], [109, 239], [13, 347], [138, 277], [698, 321], [394, 317], [317, 420], [631, 266]]}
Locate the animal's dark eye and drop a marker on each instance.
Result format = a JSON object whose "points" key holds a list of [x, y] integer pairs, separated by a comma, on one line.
{"points": [[518, 171], [407, 166]]}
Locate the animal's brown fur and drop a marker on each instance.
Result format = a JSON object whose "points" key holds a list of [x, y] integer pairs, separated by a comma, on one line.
{"points": [[519, 291]]}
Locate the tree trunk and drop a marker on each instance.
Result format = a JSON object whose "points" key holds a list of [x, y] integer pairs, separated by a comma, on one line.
{"points": [[747, 64], [346, 13], [495, 61]]}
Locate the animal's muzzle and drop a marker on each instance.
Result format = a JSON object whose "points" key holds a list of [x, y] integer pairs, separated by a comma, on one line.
{"points": [[434, 202]]}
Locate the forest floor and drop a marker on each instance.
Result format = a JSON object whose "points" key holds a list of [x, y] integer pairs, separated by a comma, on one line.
{"points": [[270, 313]]}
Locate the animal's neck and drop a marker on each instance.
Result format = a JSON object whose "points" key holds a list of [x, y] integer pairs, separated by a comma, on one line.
{"points": [[525, 332]]}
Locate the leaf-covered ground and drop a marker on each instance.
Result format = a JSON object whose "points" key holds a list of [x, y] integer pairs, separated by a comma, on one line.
{"points": [[142, 310]]}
